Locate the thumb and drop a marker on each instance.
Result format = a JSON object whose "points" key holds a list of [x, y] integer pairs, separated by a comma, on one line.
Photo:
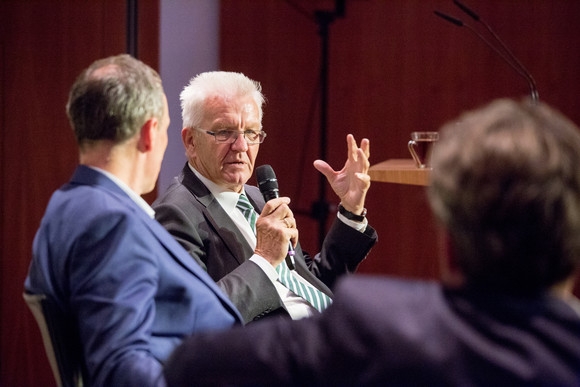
{"points": [[324, 168]]}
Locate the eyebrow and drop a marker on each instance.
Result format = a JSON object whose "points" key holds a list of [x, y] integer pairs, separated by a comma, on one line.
{"points": [[224, 126]]}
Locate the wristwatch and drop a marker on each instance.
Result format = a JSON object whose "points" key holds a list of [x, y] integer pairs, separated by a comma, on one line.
{"points": [[352, 216]]}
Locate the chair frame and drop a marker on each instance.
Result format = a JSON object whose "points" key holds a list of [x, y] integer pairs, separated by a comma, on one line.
{"points": [[60, 338]]}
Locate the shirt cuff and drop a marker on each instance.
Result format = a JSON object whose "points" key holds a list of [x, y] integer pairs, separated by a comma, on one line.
{"points": [[359, 226]]}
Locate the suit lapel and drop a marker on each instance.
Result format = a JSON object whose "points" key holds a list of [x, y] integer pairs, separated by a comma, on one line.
{"points": [[216, 216], [256, 198]]}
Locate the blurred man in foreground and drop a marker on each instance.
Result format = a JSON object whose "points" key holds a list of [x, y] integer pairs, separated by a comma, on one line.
{"points": [[505, 187]]}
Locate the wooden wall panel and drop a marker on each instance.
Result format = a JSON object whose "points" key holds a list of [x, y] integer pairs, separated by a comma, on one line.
{"points": [[394, 68], [44, 47]]}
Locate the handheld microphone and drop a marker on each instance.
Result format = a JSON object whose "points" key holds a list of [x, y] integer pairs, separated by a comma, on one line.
{"points": [[268, 185], [502, 50]]}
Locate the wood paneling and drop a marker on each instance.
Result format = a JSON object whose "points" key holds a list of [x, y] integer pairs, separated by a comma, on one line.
{"points": [[394, 68], [45, 44]]}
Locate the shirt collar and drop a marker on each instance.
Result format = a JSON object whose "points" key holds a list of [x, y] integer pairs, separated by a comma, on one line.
{"points": [[226, 198], [136, 198]]}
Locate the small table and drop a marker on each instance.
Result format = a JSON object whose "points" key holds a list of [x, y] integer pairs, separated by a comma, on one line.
{"points": [[400, 171]]}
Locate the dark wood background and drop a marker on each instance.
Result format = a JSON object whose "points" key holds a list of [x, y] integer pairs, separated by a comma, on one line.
{"points": [[393, 68], [44, 46]]}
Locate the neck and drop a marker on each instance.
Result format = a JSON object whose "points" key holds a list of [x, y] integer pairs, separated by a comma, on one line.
{"points": [[564, 289], [117, 159]]}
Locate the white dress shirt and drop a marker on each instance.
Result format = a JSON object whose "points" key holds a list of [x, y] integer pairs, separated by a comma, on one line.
{"points": [[136, 198]]}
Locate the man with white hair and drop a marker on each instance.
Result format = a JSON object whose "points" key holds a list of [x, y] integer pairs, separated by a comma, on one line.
{"points": [[213, 213]]}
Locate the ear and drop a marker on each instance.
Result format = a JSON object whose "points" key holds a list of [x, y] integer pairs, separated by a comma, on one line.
{"points": [[187, 136], [148, 135]]}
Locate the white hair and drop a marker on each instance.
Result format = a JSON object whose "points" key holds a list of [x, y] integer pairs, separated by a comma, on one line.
{"points": [[215, 83]]}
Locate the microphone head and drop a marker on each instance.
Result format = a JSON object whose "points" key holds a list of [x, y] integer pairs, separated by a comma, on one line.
{"points": [[467, 10], [267, 182], [450, 19]]}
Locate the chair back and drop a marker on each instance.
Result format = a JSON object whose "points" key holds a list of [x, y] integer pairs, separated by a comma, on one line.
{"points": [[61, 340]]}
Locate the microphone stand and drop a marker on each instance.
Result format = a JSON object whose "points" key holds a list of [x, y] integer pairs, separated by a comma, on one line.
{"points": [[132, 28], [324, 19], [500, 48]]}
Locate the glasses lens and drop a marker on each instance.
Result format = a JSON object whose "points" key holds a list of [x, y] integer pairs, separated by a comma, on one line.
{"points": [[252, 137], [230, 136], [223, 135]]}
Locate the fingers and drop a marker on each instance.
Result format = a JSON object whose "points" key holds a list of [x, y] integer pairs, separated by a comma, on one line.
{"points": [[352, 181], [275, 228], [291, 231], [324, 168], [273, 205], [290, 222], [293, 238], [363, 161], [352, 147], [356, 154], [365, 146]]}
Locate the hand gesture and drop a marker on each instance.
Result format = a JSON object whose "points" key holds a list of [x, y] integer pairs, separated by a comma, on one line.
{"points": [[352, 182]]}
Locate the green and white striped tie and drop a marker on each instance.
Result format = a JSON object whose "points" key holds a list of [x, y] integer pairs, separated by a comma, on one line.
{"points": [[315, 297], [247, 210]]}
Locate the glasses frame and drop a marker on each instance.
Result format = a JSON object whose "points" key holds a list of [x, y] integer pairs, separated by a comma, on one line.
{"points": [[261, 136]]}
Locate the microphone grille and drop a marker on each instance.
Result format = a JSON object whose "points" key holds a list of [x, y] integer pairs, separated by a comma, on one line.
{"points": [[266, 178]]}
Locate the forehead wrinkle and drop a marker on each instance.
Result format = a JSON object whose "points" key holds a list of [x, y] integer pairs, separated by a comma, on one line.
{"points": [[228, 111]]}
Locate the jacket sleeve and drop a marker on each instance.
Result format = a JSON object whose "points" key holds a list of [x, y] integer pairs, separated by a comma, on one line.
{"points": [[246, 285], [343, 249]]}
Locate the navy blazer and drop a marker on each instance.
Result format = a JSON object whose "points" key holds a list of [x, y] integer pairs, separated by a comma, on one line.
{"points": [[134, 292], [194, 217], [390, 332]]}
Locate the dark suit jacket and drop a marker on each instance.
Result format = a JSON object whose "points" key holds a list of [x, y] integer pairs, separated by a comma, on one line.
{"points": [[392, 332], [195, 218], [132, 290]]}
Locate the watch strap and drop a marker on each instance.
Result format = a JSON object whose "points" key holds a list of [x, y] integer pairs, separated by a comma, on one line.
{"points": [[350, 215]]}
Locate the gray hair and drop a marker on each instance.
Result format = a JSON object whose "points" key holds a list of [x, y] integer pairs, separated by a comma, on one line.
{"points": [[215, 84], [506, 185], [113, 98]]}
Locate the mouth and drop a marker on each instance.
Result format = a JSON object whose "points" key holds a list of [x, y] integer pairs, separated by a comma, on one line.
{"points": [[236, 163]]}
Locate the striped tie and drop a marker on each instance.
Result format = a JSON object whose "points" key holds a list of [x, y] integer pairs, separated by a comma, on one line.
{"points": [[315, 297], [248, 211]]}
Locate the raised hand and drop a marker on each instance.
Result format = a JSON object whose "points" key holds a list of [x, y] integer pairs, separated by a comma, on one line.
{"points": [[352, 182]]}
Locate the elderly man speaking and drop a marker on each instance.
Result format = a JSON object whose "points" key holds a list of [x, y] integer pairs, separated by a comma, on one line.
{"points": [[213, 213]]}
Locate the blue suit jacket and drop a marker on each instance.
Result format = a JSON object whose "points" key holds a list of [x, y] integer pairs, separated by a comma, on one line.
{"points": [[133, 291]]}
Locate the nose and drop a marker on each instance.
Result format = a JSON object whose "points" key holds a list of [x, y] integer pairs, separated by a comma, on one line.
{"points": [[240, 145]]}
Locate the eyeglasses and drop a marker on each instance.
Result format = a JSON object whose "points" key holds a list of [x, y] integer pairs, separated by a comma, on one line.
{"points": [[226, 136]]}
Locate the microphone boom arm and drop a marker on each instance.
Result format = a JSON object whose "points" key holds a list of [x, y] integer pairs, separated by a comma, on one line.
{"points": [[502, 50]]}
